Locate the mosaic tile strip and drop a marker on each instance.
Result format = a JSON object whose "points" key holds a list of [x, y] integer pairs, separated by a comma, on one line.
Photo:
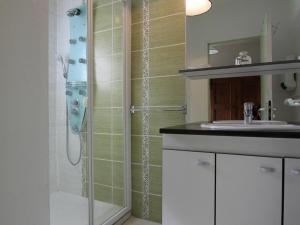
{"points": [[146, 114]]}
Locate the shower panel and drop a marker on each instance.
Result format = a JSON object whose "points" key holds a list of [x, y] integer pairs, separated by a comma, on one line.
{"points": [[76, 77]]}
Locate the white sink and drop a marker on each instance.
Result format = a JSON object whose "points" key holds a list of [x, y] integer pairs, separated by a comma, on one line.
{"points": [[255, 125]]}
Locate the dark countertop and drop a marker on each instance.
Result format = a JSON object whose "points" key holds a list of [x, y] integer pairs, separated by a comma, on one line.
{"points": [[196, 129]]}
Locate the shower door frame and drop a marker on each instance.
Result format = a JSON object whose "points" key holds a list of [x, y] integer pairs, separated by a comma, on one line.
{"points": [[126, 112]]}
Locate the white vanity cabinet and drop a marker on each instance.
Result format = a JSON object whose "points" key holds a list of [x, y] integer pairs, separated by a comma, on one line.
{"points": [[292, 192], [221, 189], [227, 180], [188, 188], [248, 190]]}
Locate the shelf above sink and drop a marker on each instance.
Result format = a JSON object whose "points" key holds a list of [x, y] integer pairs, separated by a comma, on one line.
{"points": [[255, 125], [268, 68]]}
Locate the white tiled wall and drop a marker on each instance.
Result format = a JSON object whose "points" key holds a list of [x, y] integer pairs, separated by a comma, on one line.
{"points": [[63, 176]]}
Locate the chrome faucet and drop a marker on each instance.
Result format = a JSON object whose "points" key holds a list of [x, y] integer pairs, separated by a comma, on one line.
{"points": [[248, 112], [269, 111]]}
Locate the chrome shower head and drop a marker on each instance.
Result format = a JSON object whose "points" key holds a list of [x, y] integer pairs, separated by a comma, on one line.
{"points": [[73, 12]]}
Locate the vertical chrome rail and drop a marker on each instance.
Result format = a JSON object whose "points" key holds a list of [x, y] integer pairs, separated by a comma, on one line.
{"points": [[127, 100], [90, 57]]}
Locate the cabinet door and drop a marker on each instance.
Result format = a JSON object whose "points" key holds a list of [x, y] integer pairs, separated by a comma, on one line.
{"points": [[248, 190], [188, 188], [292, 192]]}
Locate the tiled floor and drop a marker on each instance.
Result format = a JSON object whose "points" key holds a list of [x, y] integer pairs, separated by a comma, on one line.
{"points": [[135, 221]]}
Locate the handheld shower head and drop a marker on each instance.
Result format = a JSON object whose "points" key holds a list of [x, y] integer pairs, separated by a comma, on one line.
{"points": [[73, 12], [64, 68]]}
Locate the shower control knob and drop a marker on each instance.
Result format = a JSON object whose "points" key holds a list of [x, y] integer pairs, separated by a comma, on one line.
{"points": [[75, 112], [82, 39], [75, 103], [82, 92], [73, 41], [69, 93], [71, 61], [73, 12], [83, 61], [75, 129]]}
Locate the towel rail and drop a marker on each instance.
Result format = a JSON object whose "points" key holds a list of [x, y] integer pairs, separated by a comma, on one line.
{"points": [[183, 109]]}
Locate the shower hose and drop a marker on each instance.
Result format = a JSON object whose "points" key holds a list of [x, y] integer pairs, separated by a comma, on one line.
{"points": [[73, 163]]}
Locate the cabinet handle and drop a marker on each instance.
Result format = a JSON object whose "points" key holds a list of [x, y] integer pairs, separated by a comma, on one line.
{"points": [[295, 172], [264, 169], [202, 163]]}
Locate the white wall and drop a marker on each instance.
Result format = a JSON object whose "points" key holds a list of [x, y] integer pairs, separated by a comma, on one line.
{"points": [[24, 154], [53, 163], [221, 24]]}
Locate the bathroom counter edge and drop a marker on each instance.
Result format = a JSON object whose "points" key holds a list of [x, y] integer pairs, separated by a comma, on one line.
{"points": [[196, 129]]}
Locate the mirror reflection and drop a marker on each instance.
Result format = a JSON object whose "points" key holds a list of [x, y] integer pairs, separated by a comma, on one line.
{"points": [[238, 32]]}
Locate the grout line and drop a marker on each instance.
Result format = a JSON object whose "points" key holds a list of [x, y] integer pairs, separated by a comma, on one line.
{"points": [[141, 164], [107, 160], [159, 47], [105, 185], [160, 17], [122, 189], [108, 186], [159, 106], [108, 55], [170, 15], [111, 100], [108, 29], [112, 134], [162, 106], [153, 77], [113, 107], [149, 193], [107, 82], [106, 4], [140, 135]]}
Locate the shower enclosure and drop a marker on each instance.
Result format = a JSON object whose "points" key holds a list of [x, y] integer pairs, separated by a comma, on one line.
{"points": [[89, 103]]}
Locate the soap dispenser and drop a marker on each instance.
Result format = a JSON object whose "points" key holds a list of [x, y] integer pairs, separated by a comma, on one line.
{"points": [[243, 58]]}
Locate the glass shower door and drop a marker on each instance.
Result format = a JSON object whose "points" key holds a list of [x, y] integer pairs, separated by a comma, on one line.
{"points": [[110, 119], [68, 95]]}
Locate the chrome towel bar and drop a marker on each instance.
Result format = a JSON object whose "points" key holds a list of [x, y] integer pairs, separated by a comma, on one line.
{"points": [[292, 102], [183, 109]]}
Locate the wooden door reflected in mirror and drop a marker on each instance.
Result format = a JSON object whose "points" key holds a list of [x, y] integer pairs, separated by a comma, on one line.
{"points": [[228, 95]]}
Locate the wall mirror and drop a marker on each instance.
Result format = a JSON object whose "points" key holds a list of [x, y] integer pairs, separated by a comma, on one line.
{"points": [[237, 32]]}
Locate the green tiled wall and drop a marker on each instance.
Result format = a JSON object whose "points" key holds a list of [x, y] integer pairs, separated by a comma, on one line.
{"points": [[166, 57], [167, 88], [108, 102]]}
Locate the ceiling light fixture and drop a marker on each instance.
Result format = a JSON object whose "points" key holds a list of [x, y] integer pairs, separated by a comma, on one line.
{"points": [[213, 51], [197, 7]]}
